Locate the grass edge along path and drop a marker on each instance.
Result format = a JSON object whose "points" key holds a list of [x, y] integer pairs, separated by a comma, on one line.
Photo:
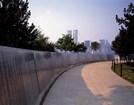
{"points": [[127, 71]]}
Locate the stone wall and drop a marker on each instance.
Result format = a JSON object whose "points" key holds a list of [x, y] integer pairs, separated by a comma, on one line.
{"points": [[26, 75]]}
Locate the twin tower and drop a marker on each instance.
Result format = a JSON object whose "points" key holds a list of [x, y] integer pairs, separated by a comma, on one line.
{"points": [[73, 34]]}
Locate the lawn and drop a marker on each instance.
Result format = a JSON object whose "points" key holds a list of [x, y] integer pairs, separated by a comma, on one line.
{"points": [[127, 71]]}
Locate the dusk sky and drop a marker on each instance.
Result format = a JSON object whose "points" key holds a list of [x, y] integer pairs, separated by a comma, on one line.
{"points": [[94, 19]]}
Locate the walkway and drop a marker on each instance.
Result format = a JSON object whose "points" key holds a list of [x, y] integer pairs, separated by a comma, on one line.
{"points": [[91, 84]]}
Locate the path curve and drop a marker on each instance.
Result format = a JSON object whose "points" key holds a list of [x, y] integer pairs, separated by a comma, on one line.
{"points": [[91, 84]]}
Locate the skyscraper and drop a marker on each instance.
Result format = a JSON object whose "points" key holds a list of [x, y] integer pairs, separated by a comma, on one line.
{"points": [[87, 43], [69, 32], [105, 47], [75, 36], [102, 42]]}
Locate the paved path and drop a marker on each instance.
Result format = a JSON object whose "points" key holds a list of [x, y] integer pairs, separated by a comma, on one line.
{"points": [[91, 84]]}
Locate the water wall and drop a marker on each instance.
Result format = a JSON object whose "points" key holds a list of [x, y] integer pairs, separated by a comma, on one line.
{"points": [[26, 75]]}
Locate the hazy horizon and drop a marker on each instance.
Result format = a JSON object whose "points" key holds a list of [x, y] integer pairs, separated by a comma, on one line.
{"points": [[94, 19]]}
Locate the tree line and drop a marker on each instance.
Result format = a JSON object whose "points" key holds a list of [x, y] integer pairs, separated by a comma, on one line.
{"points": [[123, 44], [15, 30]]}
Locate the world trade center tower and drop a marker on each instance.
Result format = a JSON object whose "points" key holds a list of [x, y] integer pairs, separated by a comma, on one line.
{"points": [[75, 36]]}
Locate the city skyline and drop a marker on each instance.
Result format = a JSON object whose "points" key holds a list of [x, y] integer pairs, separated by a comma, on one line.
{"points": [[95, 19]]}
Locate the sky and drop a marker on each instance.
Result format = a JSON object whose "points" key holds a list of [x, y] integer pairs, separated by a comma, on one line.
{"points": [[94, 19]]}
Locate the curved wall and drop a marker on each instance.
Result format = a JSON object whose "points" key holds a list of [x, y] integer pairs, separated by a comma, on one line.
{"points": [[26, 75]]}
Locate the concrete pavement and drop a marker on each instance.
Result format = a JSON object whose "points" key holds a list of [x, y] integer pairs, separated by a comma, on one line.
{"points": [[91, 84]]}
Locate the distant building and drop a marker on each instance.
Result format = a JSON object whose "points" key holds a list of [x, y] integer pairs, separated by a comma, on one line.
{"points": [[102, 42], [87, 43], [75, 36], [69, 32], [105, 47]]}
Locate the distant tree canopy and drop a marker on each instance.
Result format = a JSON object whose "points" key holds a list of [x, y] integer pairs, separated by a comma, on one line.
{"points": [[15, 30], [95, 45], [80, 47], [66, 43], [123, 44], [41, 43]]}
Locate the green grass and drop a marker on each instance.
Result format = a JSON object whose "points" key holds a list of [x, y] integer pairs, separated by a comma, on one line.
{"points": [[127, 72]]}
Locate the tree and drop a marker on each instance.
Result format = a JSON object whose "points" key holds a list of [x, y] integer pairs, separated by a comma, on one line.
{"points": [[80, 47], [65, 43], [41, 43], [124, 41], [95, 45], [15, 30]]}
